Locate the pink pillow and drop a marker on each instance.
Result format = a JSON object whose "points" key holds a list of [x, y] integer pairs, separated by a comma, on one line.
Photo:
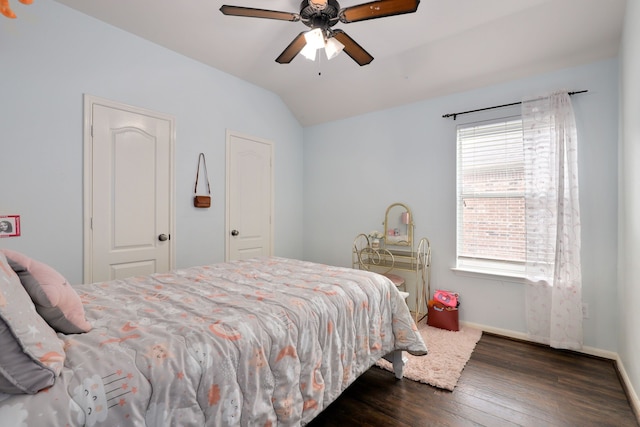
{"points": [[54, 297], [31, 354]]}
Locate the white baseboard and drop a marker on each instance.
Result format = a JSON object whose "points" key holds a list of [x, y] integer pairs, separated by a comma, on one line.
{"points": [[631, 393], [504, 332], [522, 336]]}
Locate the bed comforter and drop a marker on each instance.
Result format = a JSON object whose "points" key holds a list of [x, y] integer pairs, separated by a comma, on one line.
{"points": [[259, 342]]}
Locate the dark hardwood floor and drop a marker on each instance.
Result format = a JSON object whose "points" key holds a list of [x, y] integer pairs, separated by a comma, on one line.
{"points": [[505, 383]]}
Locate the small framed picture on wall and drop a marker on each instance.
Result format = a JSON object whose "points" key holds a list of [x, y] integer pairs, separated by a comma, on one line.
{"points": [[9, 225]]}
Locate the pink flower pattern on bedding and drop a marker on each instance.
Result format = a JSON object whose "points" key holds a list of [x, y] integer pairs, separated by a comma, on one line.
{"points": [[260, 342]]}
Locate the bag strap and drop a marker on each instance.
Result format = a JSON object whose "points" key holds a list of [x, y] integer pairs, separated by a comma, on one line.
{"points": [[202, 160]]}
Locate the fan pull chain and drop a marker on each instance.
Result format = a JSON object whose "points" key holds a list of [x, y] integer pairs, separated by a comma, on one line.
{"points": [[319, 62]]}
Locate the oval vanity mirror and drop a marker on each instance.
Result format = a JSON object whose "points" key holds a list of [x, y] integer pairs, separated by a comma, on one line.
{"points": [[398, 225]]}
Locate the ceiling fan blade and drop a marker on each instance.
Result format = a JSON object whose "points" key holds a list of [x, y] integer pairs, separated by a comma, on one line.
{"points": [[352, 48], [292, 50], [259, 13], [377, 9]]}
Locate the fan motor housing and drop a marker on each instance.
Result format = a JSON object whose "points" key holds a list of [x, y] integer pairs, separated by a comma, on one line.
{"points": [[314, 17]]}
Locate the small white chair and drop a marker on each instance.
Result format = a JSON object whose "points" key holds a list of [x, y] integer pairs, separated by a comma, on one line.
{"points": [[397, 280]]}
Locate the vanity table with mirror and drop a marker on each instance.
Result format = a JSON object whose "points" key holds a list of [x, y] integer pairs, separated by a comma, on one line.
{"points": [[396, 254]]}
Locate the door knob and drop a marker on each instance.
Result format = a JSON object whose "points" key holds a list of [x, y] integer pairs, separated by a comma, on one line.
{"points": [[163, 237], [234, 232]]}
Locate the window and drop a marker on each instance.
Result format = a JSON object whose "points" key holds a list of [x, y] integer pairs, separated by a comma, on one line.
{"points": [[490, 197]]}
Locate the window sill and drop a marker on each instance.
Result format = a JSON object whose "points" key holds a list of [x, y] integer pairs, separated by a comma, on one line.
{"points": [[484, 274]]}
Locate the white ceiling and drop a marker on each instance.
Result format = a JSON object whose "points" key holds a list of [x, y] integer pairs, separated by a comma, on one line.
{"points": [[447, 46]]}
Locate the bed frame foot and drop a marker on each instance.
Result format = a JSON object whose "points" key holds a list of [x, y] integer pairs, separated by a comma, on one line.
{"points": [[398, 359]]}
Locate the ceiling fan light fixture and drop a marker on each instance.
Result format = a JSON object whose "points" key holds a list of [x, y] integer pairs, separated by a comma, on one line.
{"points": [[309, 52], [332, 48], [314, 38]]}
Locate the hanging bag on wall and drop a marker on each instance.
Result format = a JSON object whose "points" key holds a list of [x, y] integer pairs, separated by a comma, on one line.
{"points": [[202, 201]]}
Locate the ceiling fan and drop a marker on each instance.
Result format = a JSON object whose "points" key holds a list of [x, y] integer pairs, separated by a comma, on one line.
{"points": [[321, 16]]}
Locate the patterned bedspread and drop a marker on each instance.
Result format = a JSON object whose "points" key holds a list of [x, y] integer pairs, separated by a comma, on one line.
{"points": [[259, 342]]}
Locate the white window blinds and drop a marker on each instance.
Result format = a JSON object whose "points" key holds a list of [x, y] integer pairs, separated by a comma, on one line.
{"points": [[490, 195]]}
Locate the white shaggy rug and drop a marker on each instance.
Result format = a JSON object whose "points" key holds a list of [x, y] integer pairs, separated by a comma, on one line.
{"points": [[448, 353]]}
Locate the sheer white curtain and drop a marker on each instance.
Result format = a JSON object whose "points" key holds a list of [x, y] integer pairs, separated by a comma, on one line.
{"points": [[553, 276]]}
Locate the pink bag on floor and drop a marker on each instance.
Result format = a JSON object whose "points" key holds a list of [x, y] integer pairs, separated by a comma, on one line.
{"points": [[448, 298], [443, 317]]}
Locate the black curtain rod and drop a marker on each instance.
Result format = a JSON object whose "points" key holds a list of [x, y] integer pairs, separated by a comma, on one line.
{"points": [[454, 115]]}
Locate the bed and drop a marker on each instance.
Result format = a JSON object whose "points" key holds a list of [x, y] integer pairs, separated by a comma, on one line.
{"points": [[260, 342]]}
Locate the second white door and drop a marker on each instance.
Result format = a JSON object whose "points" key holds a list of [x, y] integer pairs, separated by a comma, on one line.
{"points": [[249, 197]]}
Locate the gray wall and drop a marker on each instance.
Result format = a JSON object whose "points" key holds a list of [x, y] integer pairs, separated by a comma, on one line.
{"points": [[355, 168], [629, 298], [52, 55]]}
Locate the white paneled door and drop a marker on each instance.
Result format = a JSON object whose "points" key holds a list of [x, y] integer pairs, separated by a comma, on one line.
{"points": [[249, 224], [128, 191]]}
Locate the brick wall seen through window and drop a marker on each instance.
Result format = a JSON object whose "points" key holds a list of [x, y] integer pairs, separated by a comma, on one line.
{"points": [[491, 212]]}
